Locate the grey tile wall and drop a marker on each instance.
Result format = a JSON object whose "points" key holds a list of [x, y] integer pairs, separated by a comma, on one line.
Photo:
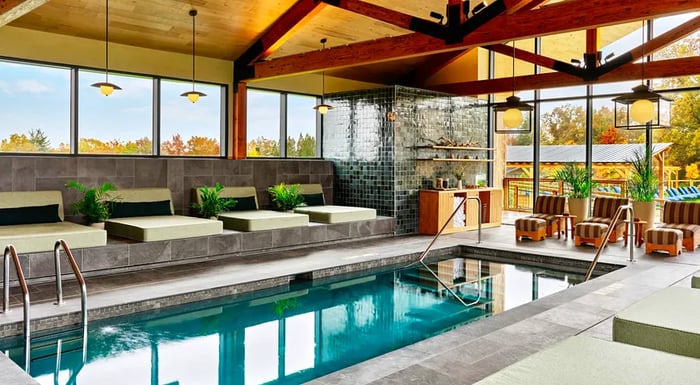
{"points": [[31, 173], [375, 157]]}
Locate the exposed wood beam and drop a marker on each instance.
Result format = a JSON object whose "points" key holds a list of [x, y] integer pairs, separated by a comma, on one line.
{"points": [[281, 30], [655, 69], [14, 9], [666, 38], [431, 66], [376, 12], [540, 60], [514, 6], [548, 20]]}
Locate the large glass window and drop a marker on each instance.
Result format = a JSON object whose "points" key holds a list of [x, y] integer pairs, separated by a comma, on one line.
{"points": [[35, 108], [190, 129], [301, 126], [274, 117], [263, 124], [119, 124]]}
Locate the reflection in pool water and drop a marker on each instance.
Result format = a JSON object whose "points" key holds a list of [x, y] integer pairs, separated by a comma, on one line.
{"points": [[290, 337]]}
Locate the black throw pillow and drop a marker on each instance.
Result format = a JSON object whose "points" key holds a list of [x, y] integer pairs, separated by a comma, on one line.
{"points": [[245, 204], [314, 199], [140, 209], [29, 214]]}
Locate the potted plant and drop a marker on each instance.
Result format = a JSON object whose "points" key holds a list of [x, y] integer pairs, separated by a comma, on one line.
{"points": [[93, 206], [579, 181], [212, 203], [286, 197], [642, 187]]}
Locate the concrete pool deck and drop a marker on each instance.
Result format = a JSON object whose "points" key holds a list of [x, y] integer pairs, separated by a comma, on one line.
{"points": [[461, 356]]}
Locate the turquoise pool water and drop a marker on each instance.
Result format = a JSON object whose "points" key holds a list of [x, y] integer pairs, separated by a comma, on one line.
{"points": [[291, 335]]}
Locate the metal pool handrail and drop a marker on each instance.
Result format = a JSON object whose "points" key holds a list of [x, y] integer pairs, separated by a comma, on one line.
{"points": [[11, 252], [78, 276], [459, 206], [611, 228]]}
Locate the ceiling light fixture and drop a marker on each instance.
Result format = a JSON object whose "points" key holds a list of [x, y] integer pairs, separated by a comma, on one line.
{"points": [[193, 95], [642, 108], [323, 107], [106, 88], [509, 115]]}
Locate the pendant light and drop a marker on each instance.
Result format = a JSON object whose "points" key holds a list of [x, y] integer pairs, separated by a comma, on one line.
{"points": [[193, 95], [509, 115], [106, 88], [642, 107], [323, 107]]}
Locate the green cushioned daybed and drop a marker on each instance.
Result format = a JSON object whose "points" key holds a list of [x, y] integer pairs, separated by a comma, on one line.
{"points": [[245, 215], [146, 214], [580, 360], [696, 280], [667, 320], [318, 211], [32, 221]]}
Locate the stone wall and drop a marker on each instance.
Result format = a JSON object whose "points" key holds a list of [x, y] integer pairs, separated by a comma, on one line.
{"points": [[180, 175]]}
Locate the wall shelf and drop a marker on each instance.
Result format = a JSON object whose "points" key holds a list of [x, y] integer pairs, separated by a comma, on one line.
{"points": [[454, 160], [458, 148]]}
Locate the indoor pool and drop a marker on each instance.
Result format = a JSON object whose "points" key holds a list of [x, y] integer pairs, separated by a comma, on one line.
{"points": [[290, 336]]}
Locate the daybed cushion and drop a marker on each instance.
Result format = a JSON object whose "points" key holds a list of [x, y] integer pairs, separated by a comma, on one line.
{"points": [[336, 214], [162, 227], [580, 360], [39, 237], [256, 220], [155, 227], [253, 220], [667, 320], [331, 213]]}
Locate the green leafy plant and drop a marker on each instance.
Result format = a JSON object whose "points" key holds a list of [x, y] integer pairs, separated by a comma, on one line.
{"points": [[458, 172], [93, 205], [212, 203], [643, 183], [578, 179], [286, 197]]}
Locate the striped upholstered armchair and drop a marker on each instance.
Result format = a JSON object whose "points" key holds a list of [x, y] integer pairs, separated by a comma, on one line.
{"points": [[603, 211], [547, 207], [684, 216]]}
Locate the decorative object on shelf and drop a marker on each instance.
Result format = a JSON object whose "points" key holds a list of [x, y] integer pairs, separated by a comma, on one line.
{"points": [[642, 108], [509, 115], [438, 183], [193, 96], [391, 116], [212, 203], [445, 183], [106, 88], [323, 108], [92, 206], [458, 172]]}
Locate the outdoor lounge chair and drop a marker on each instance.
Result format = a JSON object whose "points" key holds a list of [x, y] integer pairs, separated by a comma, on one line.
{"points": [[318, 211], [603, 210], [547, 208], [146, 214], [245, 215]]}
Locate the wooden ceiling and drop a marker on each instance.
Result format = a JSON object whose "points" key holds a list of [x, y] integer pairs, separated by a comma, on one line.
{"points": [[372, 40]]}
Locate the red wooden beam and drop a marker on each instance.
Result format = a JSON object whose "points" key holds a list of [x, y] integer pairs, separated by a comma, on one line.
{"points": [[548, 20], [280, 31]]}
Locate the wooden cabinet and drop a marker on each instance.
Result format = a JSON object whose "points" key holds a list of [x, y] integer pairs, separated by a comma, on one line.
{"points": [[436, 206]]}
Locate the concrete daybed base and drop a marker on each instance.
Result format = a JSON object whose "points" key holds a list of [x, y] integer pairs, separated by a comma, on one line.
{"points": [[156, 227], [253, 219], [668, 320], [332, 213], [580, 360], [38, 237]]}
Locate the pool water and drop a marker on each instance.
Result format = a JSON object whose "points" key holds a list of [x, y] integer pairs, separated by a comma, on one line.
{"points": [[291, 336]]}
